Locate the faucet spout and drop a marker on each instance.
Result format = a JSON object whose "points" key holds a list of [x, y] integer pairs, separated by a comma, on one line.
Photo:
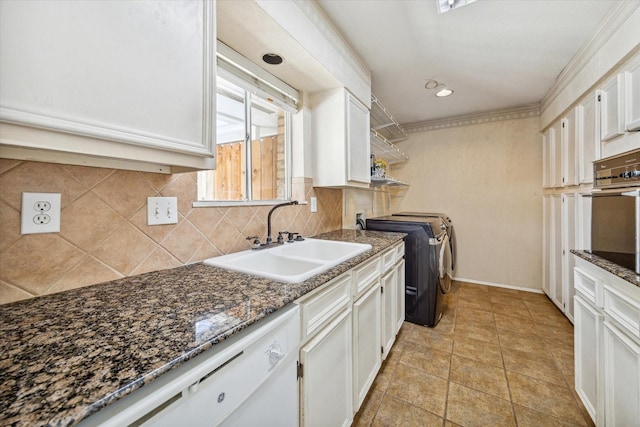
{"points": [[269, 239]]}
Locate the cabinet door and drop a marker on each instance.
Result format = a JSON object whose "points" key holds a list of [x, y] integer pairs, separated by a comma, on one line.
{"points": [[632, 96], [569, 152], [568, 243], [399, 295], [546, 244], [327, 381], [389, 291], [612, 108], [546, 158], [621, 378], [588, 357], [556, 250], [366, 343], [554, 136], [358, 141], [588, 136], [583, 226], [140, 73]]}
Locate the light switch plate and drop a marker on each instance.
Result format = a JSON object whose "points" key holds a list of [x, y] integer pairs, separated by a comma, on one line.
{"points": [[162, 210], [40, 213], [314, 204]]}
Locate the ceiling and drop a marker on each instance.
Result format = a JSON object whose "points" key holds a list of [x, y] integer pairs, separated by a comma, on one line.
{"points": [[494, 54]]}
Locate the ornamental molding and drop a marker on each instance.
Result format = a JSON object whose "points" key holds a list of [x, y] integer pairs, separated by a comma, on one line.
{"points": [[523, 112]]}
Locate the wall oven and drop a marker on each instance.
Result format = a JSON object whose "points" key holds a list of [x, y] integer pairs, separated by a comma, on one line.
{"points": [[615, 210]]}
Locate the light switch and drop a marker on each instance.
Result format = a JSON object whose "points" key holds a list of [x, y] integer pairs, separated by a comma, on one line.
{"points": [[314, 204], [162, 210]]}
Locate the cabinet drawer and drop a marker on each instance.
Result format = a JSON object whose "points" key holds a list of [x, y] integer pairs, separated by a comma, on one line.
{"points": [[400, 251], [388, 260], [322, 307], [623, 309], [364, 274], [588, 286]]}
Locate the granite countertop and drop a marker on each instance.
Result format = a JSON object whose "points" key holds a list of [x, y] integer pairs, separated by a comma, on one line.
{"points": [[67, 355], [613, 268]]}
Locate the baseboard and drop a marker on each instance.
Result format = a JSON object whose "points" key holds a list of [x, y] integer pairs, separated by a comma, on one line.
{"points": [[498, 285]]}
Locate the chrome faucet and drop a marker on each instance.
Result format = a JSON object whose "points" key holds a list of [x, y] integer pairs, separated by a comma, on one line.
{"points": [[269, 239]]}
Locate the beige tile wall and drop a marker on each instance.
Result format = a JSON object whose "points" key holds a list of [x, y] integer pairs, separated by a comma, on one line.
{"points": [[104, 234]]}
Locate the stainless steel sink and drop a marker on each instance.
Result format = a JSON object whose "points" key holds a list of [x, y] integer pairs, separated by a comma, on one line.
{"points": [[291, 262]]}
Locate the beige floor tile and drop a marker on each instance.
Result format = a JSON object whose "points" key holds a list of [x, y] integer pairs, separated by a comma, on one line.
{"points": [[384, 376], [396, 413], [427, 360], [551, 399], [519, 340], [419, 388], [478, 350], [479, 376], [469, 407], [516, 324], [432, 338], [476, 304], [475, 317], [495, 290], [529, 418], [514, 302], [368, 409], [557, 333], [479, 332], [534, 364], [508, 310]]}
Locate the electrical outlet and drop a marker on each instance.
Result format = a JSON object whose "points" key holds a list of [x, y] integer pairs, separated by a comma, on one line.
{"points": [[314, 204], [162, 210], [40, 213]]}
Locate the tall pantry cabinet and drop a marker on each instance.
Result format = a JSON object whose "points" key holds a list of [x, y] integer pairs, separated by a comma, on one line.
{"points": [[602, 123]]}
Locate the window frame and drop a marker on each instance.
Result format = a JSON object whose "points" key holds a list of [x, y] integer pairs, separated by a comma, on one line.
{"points": [[255, 81]]}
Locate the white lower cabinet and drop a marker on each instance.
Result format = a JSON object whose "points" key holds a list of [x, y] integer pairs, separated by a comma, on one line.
{"points": [[400, 292], [348, 327], [621, 378], [389, 286], [366, 338], [326, 383], [607, 346], [588, 343]]}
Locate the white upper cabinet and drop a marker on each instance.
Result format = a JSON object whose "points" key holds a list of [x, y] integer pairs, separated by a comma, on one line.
{"points": [[569, 151], [588, 135], [116, 74], [632, 96], [612, 108], [341, 140], [552, 140]]}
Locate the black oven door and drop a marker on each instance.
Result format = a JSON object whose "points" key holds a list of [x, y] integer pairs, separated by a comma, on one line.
{"points": [[615, 227]]}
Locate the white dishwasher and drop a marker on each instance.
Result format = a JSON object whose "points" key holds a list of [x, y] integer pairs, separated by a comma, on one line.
{"points": [[251, 381]]}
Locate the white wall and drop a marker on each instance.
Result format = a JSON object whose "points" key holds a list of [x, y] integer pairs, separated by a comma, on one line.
{"points": [[487, 178]]}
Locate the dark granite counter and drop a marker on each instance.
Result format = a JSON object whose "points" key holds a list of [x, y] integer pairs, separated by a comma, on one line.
{"points": [[67, 355], [622, 272]]}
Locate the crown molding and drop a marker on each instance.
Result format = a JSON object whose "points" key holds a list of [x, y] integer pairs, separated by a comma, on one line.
{"points": [[523, 112], [322, 22], [609, 25]]}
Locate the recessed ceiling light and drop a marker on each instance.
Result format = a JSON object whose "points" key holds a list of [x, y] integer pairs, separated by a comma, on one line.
{"points": [[448, 5], [431, 84], [272, 58], [444, 92]]}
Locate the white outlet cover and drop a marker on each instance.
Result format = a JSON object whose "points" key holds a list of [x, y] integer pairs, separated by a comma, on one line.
{"points": [[314, 204], [162, 210], [40, 213]]}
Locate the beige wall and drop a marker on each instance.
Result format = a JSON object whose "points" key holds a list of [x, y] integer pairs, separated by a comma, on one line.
{"points": [[104, 235], [487, 178]]}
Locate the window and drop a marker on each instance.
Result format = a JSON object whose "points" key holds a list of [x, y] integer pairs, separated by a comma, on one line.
{"points": [[252, 137]]}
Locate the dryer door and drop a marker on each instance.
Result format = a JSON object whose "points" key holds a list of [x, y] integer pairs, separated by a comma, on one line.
{"points": [[444, 264]]}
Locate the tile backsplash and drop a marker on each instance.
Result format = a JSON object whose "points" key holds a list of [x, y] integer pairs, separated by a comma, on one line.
{"points": [[104, 233]]}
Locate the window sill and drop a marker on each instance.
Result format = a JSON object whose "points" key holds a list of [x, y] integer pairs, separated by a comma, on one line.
{"points": [[231, 203]]}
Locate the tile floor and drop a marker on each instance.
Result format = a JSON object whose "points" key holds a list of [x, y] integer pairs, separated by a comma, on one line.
{"points": [[498, 357]]}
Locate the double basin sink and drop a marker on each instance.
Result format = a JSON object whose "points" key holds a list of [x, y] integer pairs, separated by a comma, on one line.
{"points": [[292, 262]]}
